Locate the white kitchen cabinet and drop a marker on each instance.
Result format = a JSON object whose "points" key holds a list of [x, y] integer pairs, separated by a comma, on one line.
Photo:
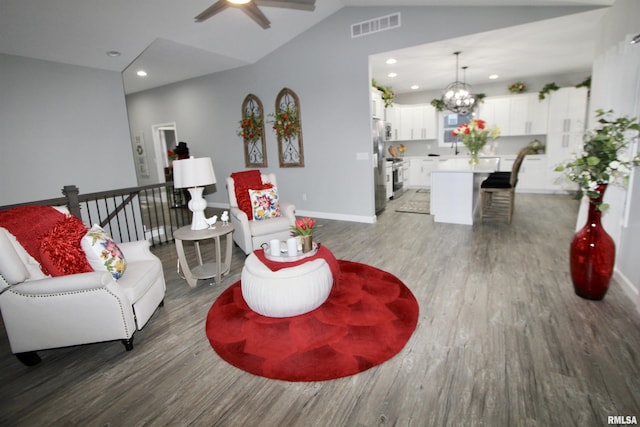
{"points": [[417, 122], [377, 105], [415, 172], [532, 176], [529, 115], [428, 165], [420, 172], [407, 122], [567, 123], [567, 110], [515, 115], [430, 122], [392, 122], [495, 111], [560, 149], [533, 173]]}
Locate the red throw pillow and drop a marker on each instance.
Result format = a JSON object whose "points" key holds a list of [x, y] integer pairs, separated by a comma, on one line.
{"points": [[60, 250], [242, 183], [28, 224]]}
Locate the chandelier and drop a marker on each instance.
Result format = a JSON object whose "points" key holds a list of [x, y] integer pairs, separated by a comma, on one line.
{"points": [[457, 96]]}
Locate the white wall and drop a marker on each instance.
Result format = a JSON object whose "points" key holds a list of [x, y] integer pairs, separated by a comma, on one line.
{"points": [[616, 86], [61, 124], [329, 72]]}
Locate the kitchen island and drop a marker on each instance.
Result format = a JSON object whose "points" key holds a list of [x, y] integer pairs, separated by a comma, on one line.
{"points": [[455, 188]]}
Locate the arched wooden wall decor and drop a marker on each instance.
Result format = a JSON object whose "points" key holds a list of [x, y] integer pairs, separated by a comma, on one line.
{"points": [[288, 127], [252, 132]]}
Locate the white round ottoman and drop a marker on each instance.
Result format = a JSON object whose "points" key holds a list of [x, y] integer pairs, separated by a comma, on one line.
{"points": [[286, 292]]}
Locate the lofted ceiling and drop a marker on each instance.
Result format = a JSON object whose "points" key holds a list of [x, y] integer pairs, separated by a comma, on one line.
{"points": [[162, 37]]}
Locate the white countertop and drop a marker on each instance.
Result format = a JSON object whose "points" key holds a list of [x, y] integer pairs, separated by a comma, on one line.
{"points": [[485, 165]]}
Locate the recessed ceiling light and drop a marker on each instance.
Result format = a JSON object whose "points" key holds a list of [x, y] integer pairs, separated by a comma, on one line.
{"points": [[391, 75], [414, 87], [391, 61], [493, 76], [113, 53], [141, 73]]}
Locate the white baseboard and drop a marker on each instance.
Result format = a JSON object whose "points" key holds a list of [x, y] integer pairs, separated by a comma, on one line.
{"points": [[629, 289], [314, 214], [337, 217]]}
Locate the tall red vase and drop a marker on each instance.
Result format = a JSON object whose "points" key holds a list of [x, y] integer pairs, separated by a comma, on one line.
{"points": [[592, 254]]}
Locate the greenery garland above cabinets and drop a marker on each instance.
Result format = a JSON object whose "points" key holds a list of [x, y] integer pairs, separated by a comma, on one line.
{"points": [[387, 93]]}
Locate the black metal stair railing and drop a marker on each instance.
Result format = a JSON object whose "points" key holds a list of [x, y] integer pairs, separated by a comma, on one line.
{"points": [[150, 212]]}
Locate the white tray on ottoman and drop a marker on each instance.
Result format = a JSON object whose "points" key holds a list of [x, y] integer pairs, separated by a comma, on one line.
{"points": [[287, 292]]}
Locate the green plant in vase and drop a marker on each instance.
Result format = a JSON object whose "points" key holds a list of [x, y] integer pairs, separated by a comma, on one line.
{"points": [[603, 160]]}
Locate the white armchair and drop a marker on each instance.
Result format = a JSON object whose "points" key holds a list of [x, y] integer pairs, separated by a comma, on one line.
{"points": [[42, 312], [250, 234]]}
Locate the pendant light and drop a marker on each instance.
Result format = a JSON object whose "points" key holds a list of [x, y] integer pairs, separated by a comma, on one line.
{"points": [[457, 96]]}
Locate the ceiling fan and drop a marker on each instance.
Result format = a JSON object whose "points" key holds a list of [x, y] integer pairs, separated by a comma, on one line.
{"points": [[250, 7]]}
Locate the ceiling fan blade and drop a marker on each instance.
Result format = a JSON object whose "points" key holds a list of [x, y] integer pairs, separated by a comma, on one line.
{"points": [[256, 14], [217, 7], [308, 5]]}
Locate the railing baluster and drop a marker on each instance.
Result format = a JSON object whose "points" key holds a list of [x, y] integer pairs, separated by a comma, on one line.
{"points": [[127, 214]]}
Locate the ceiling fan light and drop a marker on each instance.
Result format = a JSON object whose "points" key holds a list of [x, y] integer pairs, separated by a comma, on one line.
{"points": [[239, 1]]}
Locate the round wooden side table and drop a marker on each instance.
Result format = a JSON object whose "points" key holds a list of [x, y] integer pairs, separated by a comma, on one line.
{"points": [[204, 270]]}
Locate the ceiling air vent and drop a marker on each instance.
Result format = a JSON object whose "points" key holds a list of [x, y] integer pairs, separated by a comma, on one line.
{"points": [[375, 25]]}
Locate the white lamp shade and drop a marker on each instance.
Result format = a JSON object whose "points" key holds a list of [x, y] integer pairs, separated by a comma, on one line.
{"points": [[193, 172]]}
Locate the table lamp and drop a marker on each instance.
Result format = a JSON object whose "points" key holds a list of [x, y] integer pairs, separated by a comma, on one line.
{"points": [[193, 174]]}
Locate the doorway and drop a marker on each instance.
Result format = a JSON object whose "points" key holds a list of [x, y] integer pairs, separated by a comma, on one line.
{"points": [[165, 137]]}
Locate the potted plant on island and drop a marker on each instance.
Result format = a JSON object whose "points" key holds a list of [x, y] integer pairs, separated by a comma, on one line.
{"points": [[603, 160]]}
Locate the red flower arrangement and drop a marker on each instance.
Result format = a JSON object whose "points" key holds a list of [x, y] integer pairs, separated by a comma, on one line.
{"points": [[303, 227], [475, 135]]}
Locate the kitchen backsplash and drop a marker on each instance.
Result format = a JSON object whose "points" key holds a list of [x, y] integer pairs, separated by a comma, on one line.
{"points": [[503, 145]]}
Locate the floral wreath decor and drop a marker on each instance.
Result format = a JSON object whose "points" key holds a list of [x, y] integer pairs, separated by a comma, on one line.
{"points": [[286, 122], [251, 128], [517, 87]]}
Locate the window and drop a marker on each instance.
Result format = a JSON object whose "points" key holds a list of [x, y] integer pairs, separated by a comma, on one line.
{"points": [[449, 121]]}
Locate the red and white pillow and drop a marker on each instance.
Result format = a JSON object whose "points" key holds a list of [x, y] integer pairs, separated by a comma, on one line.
{"points": [[264, 203], [103, 253]]}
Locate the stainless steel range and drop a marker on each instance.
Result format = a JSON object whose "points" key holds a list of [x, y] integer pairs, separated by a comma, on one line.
{"points": [[397, 168]]}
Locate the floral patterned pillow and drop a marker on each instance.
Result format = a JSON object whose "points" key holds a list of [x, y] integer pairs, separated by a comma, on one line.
{"points": [[102, 252], [264, 203]]}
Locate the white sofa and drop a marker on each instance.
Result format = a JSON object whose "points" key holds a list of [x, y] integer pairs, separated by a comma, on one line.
{"points": [[42, 312], [250, 234]]}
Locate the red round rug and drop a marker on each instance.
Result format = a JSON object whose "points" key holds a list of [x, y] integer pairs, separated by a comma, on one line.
{"points": [[367, 319]]}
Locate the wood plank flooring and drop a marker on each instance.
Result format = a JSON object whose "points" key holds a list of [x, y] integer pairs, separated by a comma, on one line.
{"points": [[502, 340]]}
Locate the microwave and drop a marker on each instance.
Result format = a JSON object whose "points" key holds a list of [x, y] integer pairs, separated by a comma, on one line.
{"points": [[387, 131]]}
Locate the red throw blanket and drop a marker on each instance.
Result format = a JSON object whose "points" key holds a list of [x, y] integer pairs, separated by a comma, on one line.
{"points": [[242, 183], [28, 224], [323, 253]]}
